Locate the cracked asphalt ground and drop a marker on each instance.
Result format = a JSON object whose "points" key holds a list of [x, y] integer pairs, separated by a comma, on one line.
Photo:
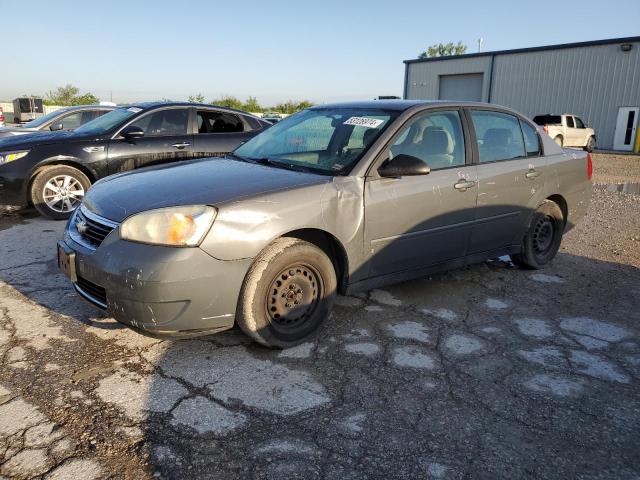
{"points": [[487, 372]]}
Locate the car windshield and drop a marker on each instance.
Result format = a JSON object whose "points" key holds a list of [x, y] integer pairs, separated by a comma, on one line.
{"points": [[327, 141], [38, 122], [108, 121]]}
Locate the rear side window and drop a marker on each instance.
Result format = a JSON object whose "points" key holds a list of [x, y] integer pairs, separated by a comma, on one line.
{"points": [[531, 140], [570, 123], [498, 135], [548, 120], [210, 121], [253, 122]]}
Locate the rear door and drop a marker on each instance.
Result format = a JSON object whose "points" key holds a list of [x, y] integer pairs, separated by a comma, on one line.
{"points": [[572, 138], [418, 221], [510, 173], [166, 139], [218, 132]]}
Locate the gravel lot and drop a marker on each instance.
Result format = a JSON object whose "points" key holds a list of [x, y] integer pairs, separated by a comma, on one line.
{"points": [[487, 372]]}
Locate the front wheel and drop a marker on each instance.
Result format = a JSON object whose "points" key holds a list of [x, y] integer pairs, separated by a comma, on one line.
{"points": [[58, 190], [591, 145], [287, 293], [543, 237]]}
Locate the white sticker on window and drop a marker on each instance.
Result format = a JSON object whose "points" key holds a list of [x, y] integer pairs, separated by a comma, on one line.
{"points": [[134, 109], [364, 122]]}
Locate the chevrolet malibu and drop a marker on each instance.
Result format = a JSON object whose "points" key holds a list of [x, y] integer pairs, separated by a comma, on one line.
{"points": [[337, 198]]}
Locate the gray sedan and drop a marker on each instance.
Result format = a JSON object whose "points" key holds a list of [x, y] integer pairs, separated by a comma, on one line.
{"points": [[335, 199]]}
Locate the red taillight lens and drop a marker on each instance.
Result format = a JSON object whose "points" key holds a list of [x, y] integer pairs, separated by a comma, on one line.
{"points": [[546, 129], [589, 166]]}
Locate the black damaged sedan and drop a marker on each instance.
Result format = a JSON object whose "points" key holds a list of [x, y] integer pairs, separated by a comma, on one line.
{"points": [[54, 170]]}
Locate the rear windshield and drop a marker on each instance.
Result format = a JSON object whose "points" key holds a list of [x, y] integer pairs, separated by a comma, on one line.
{"points": [[548, 120]]}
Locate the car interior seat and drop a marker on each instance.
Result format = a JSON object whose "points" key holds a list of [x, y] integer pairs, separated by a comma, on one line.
{"points": [[497, 145], [435, 148]]}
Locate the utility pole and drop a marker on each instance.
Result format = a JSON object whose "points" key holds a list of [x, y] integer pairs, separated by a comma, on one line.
{"points": [[480, 40]]}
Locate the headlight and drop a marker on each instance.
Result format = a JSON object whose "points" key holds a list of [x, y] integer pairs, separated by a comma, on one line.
{"points": [[6, 157], [175, 226]]}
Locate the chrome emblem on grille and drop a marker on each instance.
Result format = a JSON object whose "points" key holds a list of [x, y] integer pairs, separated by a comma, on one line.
{"points": [[82, 227]]}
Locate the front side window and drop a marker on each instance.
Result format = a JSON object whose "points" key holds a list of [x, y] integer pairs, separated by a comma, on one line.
{"points": [[210, 121], [570, 123], [330, 140], [498, 135], [531, 140], [71, 122], [435, 138], [579, 123], [163, 123]]}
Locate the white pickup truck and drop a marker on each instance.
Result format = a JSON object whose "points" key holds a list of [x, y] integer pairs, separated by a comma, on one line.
{"points": [[567, 130]]}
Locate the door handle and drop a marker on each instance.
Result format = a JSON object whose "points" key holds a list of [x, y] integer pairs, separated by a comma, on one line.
{"points": [[532, 174], [180, 146], [463, 185]]}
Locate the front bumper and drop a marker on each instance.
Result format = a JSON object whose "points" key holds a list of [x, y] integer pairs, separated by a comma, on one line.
{"points": [[160, 291], [13, 176]]}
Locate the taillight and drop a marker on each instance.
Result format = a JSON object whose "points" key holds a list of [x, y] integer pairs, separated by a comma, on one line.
{"points": [[546, 129], [589, 166]]}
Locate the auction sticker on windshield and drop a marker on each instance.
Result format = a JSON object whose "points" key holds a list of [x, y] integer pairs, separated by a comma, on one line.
{"points": [[364, 122]]}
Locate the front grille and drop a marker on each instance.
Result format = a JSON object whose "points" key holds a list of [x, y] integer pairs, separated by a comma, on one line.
{"points": [[92, 228], [92, 292]]}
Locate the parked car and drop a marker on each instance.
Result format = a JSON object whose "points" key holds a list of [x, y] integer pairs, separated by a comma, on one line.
{"points": [[272, 117], [567, 130], [1, 117], [68, 118], [336, 198], [54, 170]]}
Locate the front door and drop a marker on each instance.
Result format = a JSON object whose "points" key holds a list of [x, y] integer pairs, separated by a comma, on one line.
{"points": [[418, 221], [166, 139], [626, 128], [510, 172]]}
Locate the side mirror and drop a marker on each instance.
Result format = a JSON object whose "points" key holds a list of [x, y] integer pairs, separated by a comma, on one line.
{"points": [[132, 132], [56, 126], [403, 165]]}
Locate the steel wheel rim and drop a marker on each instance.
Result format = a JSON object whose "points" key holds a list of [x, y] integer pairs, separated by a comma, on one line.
{"points": [[543, 235], [294, 296], [63, 193]]}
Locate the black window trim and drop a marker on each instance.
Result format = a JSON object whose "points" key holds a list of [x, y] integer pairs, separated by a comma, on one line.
{"points": [[381, 157]]}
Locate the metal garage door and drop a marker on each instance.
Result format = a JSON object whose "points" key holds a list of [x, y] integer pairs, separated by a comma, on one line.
{"points": [[461, 87]]}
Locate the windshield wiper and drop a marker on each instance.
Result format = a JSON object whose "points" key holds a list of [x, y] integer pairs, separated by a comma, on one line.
{"points": [[287, 165]]}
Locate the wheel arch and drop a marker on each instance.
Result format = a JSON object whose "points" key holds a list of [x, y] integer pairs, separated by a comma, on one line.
{"points": [[562, 203], [331, 246]]}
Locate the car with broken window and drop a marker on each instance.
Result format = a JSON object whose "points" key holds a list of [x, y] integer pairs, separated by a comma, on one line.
{"points": [[53, 170], [332, 200]]}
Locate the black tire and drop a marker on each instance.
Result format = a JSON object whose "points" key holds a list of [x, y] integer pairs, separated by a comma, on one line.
{"points": [[69, 201], [287, 293], [559, 140], [543, 237], [591, 145]]}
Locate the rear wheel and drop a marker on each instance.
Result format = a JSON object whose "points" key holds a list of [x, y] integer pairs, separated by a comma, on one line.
{"points": [[559, 140], [543, 237], [58, 190], [287, 293], [591, 145]]}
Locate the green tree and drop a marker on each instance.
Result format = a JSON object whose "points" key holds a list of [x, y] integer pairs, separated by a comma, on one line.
{"points": [[197, 98], [444, 50], [252, 105], [292, 107], [68, 95], [228, 101]]}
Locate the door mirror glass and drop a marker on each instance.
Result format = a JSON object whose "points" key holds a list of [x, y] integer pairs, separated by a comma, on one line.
{"points": [[56, 126], [132, 132], [403, 165]]}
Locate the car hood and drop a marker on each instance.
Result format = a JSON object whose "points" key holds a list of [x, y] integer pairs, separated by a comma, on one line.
{"points": [[12, 131], [39, 138], [211, 181]]}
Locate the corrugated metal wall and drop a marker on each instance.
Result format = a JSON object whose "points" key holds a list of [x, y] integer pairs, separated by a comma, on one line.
{"points": [[591, 81]]}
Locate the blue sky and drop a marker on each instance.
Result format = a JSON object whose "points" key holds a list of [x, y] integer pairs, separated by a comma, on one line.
{"points": [[322, 50]]}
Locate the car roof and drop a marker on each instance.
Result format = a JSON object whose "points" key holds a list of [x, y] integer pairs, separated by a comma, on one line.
{"points": [[85, 107], [402, 105], [157, 104]]}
